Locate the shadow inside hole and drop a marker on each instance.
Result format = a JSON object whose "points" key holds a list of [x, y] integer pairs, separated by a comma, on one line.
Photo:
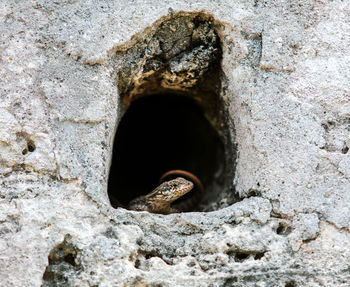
{"points": [[30, 147], [283, 229], [157, 134], [240, 256]]}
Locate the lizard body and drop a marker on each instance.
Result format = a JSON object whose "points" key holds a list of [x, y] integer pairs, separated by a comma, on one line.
{"points": [[159, 200]]}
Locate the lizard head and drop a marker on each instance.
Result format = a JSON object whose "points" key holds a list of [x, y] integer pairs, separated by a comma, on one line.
{"points": [[171, 190], [174, 189]]}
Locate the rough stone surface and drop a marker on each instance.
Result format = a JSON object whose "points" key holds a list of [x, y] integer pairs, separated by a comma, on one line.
{"points": [[286, 70]]}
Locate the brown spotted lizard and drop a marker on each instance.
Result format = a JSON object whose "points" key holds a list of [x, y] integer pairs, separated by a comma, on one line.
{"points": [[159, 200]]}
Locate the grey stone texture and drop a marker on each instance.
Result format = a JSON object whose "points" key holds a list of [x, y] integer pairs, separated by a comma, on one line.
{"points": [[285, 66]]}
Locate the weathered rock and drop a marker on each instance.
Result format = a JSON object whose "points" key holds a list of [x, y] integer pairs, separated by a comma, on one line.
{"points": [[277, 74]]}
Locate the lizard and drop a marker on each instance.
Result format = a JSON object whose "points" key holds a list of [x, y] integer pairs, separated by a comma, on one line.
{"points": [[160, 199]]}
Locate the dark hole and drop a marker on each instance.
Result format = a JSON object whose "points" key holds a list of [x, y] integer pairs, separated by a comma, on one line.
{"points": [[345, 149], [229, 282], [31, 146], [290, 284], [253, 192], [149, 256], [25, 151], [283, 229], [239, 257], [69, 258], [280, 229], [258, 256], [157, 134], [137, 264]]}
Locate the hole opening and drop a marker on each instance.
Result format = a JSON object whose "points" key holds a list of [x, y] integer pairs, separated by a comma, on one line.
{"points": [[283, 229], [172, 111], [159, 133], [31, 146]]}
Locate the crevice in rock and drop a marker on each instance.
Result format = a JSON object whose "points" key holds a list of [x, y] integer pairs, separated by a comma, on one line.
{"points": [[142, 257], [31, 146], [240, 256], [283, 229], [258, 256], [229, 282], [24, 139], [172, 111], [63, 264], [344, 228], [253, 193]]}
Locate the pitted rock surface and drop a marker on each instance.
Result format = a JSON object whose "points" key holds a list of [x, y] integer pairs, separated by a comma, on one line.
{"points": [[285, 85]]}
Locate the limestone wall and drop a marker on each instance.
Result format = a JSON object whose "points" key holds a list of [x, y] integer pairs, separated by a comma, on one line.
{"points": [[281, 217]]}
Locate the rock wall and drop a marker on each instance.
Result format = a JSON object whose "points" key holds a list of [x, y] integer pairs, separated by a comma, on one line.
{"points": [[284, 217]]}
